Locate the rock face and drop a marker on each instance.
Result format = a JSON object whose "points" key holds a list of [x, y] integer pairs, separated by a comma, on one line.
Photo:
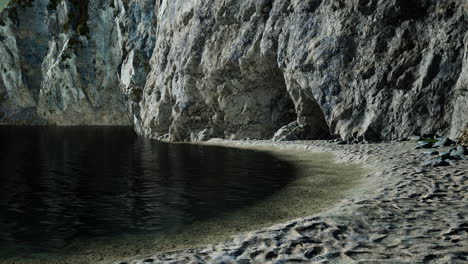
{"points": [[360, 69], [61, 60], [193, 70]]}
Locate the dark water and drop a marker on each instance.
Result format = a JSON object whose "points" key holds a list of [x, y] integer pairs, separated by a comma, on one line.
{"points": [[62, 184]]}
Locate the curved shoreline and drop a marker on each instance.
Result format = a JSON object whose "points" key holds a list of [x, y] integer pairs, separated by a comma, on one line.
{"points": [[297, 199], [318, 184], [400, 213]]}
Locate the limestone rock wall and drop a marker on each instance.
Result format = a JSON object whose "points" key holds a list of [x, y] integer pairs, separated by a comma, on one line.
{"points": [[189, 70], [358, 69], [63, 59]]}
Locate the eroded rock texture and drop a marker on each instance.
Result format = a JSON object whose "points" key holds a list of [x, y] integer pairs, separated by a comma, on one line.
{"points": [[193, 70], [61, 59], [359, 69]]}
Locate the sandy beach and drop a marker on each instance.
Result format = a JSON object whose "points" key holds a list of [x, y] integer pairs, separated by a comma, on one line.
{"points": [[233, 132], [399, 212]]}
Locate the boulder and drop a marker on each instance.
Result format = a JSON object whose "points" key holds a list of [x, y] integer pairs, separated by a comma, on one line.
{"points": [[444, 142], [290, 132], [436, 163]]}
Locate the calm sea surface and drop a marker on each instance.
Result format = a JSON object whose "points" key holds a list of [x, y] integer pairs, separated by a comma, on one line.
{"points": [[58, 185]]}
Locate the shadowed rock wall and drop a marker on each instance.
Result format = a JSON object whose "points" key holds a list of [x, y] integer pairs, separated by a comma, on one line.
{"points": [[62, 60], [193, 69]]}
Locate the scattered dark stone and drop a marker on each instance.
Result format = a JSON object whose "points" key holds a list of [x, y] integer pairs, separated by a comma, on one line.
{"points": [[436, 163], [444, 142], [429, 258], [271, 255], [460, 150], [452, 162], [444, 155], [342, 143], [148, 260], [456, 157], [458, 153], [427, 145], [432, 153]]}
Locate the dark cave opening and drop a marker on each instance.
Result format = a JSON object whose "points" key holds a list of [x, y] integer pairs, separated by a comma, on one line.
{"points": [[287, 109], [311, 119], [282, 107], [295, 114]]}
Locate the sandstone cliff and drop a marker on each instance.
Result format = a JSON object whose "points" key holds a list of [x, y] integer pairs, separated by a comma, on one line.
{"points": [[197, 69]]}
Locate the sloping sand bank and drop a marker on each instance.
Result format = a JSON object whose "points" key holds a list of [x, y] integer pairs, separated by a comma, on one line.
{"points": [[400, 213]]}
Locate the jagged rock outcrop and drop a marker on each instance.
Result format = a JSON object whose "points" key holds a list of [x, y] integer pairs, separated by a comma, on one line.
{"points": [[63, 59], [361, 69], [193, 70]]}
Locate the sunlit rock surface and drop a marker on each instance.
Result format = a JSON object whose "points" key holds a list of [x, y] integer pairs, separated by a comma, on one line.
{"points": [[194, 70], [365, 69]]}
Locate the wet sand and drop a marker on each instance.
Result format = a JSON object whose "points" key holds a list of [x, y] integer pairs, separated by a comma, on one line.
{"points": [[399, 212]]}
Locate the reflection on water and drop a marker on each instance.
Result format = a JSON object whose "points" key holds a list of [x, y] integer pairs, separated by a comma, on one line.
{"points": [[58, 185]]}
